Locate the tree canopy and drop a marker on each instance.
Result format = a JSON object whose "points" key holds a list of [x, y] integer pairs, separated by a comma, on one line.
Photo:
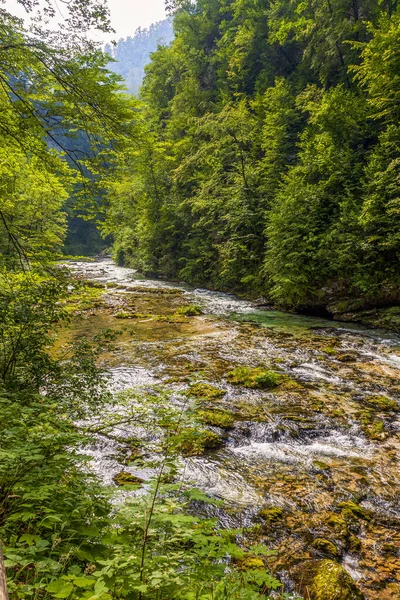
{"points": [[270, 165]]}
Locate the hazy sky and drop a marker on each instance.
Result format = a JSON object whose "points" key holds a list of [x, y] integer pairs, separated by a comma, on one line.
{"points": [[126, 15]]}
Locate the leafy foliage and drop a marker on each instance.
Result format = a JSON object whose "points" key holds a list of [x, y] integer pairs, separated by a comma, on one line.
{"points": [[269, 162]]}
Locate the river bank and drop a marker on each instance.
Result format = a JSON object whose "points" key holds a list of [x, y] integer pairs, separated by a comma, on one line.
{"points": [[312, 461]]}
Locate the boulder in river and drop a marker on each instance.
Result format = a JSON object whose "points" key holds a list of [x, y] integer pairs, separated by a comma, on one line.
{"points": [[325, 580]]}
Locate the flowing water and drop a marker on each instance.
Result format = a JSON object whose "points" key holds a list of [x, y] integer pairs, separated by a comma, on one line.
{"points": [[317, 455]]}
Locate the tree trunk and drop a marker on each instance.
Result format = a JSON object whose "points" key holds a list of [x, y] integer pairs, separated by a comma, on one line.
{"points": [[3, 584]]}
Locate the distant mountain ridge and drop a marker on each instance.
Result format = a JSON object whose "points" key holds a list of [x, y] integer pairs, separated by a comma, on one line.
{"points": [[133, 53]]}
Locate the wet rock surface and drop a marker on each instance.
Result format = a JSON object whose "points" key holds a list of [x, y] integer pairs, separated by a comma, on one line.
{"points": [[305, 433]]}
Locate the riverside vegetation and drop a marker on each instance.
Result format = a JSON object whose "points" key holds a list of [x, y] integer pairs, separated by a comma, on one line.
{"points": [[262, 157], [269, 163]]}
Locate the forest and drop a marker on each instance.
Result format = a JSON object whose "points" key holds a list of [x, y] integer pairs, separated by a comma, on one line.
{"points": [[260, 158], [132, 54], [270, 164]]}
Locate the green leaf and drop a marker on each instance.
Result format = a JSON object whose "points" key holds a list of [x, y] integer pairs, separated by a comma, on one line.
{"points": [[60, 588], [84, 582]]}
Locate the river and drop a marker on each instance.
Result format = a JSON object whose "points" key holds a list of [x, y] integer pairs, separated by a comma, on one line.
{"points": [[317, 454]]}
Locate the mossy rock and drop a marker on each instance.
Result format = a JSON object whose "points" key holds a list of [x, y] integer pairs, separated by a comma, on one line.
{"points": [[249, 563], [206, 391], [338, 526], [95, 284], [389, 548], [271, 514], [217, 418], [122, 314], [176, 318], [135, 455], [346, 357], [255, 378], [193, 442], [326, 547], [354, 544], [321, 466], [382, 403], [355, 510], [124, 478], [193, 310], [329, 350], [372, 427], [332, 582], [375, 431], [325, 580], [84, 298]]}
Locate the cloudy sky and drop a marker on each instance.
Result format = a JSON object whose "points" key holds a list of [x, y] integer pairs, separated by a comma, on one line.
{"points": [[126, 15]]}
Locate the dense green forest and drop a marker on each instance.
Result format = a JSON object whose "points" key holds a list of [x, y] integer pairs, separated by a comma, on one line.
{"points": [[132, 54], [269, 163]]}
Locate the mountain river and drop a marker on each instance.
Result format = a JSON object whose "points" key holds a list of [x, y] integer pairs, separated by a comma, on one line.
{"points": [[314, 460]]}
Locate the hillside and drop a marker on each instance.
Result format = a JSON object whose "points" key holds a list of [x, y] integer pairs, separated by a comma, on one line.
{"points": [[133, 53]]}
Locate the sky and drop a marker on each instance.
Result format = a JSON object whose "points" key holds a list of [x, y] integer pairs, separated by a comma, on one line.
{"points": [[126, 15]]}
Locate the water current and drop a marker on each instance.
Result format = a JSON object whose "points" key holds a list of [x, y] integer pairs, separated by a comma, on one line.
{"points": [[317, 455]]}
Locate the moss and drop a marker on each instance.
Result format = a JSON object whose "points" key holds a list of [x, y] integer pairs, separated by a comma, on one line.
{"points": [[121, 314], [124, 478], [135, 455], [382, 403], [291, 385], [176, 318], [95, 284], [249, 562], [222, 419], [321, 466], [193, 442], [162, 291], [329, 350], [271, 513], [373, 428], [326, 547], [206, 391], [389, 548], [193, 310], [84, 298], [332, 582], [339, 527], [256, 378], [351, 508], [346, 357], [354, 544]]}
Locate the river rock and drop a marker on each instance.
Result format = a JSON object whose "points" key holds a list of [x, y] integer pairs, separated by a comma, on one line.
{"points": [[325, 580]]}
